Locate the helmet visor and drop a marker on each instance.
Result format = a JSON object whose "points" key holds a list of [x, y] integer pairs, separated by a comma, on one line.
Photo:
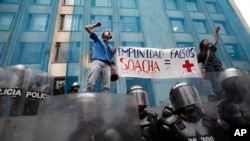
{"points": [[141, 96], [184, 96]]}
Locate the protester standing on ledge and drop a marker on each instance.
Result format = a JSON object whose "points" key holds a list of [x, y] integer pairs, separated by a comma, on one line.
{"points": [[102, 54], [209, 61]]}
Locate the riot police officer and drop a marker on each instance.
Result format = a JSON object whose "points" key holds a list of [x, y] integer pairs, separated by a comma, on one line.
{"points": [[147, 118], [74, 88], [188, 122], [234, 108]]}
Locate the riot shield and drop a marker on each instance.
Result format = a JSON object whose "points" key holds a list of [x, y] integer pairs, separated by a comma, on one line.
{"points": [[88, 117], [22, 89]]}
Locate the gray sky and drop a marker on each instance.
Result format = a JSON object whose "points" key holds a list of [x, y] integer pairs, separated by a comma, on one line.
{"points": [[243, 6]]}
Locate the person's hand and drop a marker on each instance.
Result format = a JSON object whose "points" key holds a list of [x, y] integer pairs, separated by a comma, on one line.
{"points": [[217, 29], [98, 24]]}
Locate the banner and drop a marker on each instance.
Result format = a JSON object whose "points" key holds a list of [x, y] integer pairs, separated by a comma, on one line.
{"points": [[157, 63]]}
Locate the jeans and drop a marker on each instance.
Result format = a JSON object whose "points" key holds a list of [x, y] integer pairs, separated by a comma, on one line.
{"points": [[97, 68]]}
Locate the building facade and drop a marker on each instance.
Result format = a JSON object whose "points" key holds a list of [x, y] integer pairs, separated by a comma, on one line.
{"points": [[49, 35]]}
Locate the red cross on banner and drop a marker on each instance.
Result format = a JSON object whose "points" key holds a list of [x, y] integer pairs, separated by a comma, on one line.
{"points": [[188, 65]]}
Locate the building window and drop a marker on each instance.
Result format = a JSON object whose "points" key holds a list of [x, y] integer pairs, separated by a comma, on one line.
{"points": [[223, 29], [105, 20], [71, 22], [200, 26], [9, 1], [30, 53], [45, 2], [61, 52], [191, 5], [133, 44], [73, 2], [77, 22], [37, 22], [129, 24], [67, 52], [65, 22], [6, 21], [211, 7], [74, 52], [68, 2], [101, 3], [59, 85], [170, 4], [234, 52], [184, 44], [127, 3], [177, 25]]}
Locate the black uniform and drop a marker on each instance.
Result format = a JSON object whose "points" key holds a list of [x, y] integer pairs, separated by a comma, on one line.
{"points": [[167, 111], [234, 113], [188, 122], [204, 126], [147, 123], [234, 108]]}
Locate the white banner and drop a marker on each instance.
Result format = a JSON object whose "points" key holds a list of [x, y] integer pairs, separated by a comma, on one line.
{"points": [[157, 63]]}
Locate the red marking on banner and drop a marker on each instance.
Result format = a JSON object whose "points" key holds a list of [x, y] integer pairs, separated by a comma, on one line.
{"points": [[188, 65]]}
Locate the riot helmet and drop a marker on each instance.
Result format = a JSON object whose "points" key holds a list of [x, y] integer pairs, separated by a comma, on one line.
{"points": [[235, 83], [74, 88], [184, 95], [75, 84], [229, 76], [140, 93], [20, 67], [19, 70], [17, 75]]}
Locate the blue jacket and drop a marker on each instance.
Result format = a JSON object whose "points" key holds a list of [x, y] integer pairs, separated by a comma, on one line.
{"points": [[101, 50]]}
